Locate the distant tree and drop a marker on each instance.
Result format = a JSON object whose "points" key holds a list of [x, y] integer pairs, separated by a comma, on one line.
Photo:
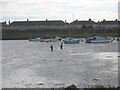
{"points": [[90, 26], [84, 27]]}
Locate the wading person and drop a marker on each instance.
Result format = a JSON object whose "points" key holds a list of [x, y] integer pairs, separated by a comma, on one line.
{"points": [[51, 47], [61, 46]]}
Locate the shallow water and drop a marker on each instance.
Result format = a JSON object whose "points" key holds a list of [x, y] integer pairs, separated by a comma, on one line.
{"points": [[32, 65]]}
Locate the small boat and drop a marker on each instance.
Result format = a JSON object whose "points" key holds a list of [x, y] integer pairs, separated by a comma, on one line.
{"points": [[91, 37], [35, 39], [48, 40], [98, 39], [71, 41]]}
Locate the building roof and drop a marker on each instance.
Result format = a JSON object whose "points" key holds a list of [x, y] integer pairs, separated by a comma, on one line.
{"points": [[3, 23], [109, 22], [89, 22], [37, 23]]}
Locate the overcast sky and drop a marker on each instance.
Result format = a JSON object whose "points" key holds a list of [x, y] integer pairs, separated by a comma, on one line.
{"points": [[69, 10]]}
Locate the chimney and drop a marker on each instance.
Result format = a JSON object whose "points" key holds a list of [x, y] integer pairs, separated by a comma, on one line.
{"points": [[89, 19], [104, 20], [5, 22], [9, 22], [116, 20], [65, 21], [27, 20], [76, 19]]}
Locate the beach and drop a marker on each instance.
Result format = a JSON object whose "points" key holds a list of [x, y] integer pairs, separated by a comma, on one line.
{"points": [[33, 65]]}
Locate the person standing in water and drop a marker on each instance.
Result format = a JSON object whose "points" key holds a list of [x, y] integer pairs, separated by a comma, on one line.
{"points": [[51, 47], [61, 46]]}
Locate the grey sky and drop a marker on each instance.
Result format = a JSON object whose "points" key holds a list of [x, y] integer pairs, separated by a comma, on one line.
{"points": [[58, 10]]}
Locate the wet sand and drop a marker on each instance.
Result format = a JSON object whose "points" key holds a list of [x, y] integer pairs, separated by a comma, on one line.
{"points": [[32, 65]]}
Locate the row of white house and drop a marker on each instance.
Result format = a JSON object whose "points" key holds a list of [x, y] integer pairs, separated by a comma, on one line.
{"points": [[59, 24]]}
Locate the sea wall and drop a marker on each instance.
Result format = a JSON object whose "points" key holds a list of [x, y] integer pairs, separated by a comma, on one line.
{"points": [[67, 32]]}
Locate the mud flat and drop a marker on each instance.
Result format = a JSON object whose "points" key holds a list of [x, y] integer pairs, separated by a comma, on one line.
{"points": [[32, 65]]}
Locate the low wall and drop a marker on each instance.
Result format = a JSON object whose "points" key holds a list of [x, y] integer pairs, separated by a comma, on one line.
{"points": [[26, 34]]}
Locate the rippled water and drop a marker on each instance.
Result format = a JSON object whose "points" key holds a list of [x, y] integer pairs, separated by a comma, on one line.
{"points": [[32, 65]]}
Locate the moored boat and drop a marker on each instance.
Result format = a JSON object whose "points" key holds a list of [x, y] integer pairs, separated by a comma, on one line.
{"points": [[71, 41], [35, 39], [98, 39], [48, 40]]}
